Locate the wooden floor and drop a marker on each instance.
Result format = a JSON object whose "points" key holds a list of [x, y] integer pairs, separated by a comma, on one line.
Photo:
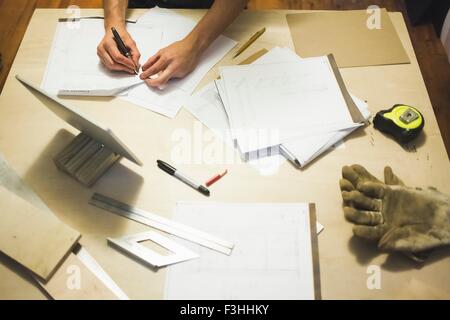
{"points": [[15, 14]]}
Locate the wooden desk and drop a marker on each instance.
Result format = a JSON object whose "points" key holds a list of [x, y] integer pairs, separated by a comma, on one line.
{"points": [[30, 135]]}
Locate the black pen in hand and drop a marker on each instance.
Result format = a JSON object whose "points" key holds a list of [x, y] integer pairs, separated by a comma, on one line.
{"points": [[123, 48]]}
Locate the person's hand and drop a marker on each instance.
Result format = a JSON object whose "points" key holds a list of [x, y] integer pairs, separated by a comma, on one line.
{"points": [[110, 55], [175, 61], [399, 218]]}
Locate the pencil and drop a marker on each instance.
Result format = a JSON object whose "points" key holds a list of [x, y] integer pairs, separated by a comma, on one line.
{"points": [[252, 39]]}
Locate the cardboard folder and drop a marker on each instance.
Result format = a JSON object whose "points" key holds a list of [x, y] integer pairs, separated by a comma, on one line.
{"points": [[351, 36]]}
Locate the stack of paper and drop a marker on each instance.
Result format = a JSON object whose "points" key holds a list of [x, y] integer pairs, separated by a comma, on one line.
{"points": [[74, 69], [280, 99]]}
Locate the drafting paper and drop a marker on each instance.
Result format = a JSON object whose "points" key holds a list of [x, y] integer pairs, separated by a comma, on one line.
{"points": [[273, 257], [167, 19], [166, 102], [175, 28], [346, 35], [309, 148], [74, 68]]}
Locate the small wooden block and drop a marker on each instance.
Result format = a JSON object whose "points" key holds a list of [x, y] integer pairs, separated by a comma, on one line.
{"points": [[32, 237], [85, 159]]}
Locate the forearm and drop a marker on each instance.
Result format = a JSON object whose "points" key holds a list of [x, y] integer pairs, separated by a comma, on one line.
{"points": [[115, 11], [216, 20]]}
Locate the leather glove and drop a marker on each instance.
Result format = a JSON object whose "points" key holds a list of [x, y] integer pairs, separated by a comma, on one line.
{"points": [[397, 217]]}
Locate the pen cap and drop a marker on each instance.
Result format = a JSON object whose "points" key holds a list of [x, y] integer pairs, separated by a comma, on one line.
{"points": [[166, 167], [203, 190]]}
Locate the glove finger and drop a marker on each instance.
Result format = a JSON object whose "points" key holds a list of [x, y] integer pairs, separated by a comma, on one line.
{"points": [[362, 172], [359, 201], [346, 185], [391, 179], [361, 217], [369, 233], [350, 175], [415, 238], [372, 189]]}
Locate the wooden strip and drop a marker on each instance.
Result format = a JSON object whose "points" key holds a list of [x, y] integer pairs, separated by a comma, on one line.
{"points": [[254, 57], [33, 238], [315, 251]]}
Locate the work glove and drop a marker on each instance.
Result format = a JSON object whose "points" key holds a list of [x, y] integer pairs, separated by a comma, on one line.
{"points": [[399, 218]]}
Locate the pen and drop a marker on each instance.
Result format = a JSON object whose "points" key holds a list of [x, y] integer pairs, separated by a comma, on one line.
{"points": [[288, 155], [252, 39], [177, 174], [122, 47]]}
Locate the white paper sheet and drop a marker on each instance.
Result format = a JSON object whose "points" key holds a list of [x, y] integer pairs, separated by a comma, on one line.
{"points": [[166, 102], [175, 28], [272, 258], [309, 148], [292, 99], [73, 64]]}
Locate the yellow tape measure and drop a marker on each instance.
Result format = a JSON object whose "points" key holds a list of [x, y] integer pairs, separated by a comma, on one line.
{"points": [[403, 122]]}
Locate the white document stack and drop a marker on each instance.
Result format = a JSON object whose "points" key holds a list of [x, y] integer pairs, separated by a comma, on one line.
{"points": [[73, 67], [280, 99]]}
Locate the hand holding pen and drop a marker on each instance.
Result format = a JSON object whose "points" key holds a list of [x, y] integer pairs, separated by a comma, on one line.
{"points": [[112, 57]]}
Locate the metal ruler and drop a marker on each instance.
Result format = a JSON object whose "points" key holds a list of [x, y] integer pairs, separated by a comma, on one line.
{"points": [[155, 221]]}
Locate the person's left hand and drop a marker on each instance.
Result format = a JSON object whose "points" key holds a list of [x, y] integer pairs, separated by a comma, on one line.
{"points": [[174, 61]]}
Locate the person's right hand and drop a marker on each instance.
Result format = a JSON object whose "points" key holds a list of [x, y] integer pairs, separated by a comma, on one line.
{"points": [[110, 55]]}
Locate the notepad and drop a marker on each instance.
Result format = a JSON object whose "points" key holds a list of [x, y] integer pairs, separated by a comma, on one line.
{"points": [[275, 254]]}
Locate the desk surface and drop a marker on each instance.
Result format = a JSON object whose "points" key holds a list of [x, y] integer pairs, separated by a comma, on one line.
{"points": [[30, 135]]}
